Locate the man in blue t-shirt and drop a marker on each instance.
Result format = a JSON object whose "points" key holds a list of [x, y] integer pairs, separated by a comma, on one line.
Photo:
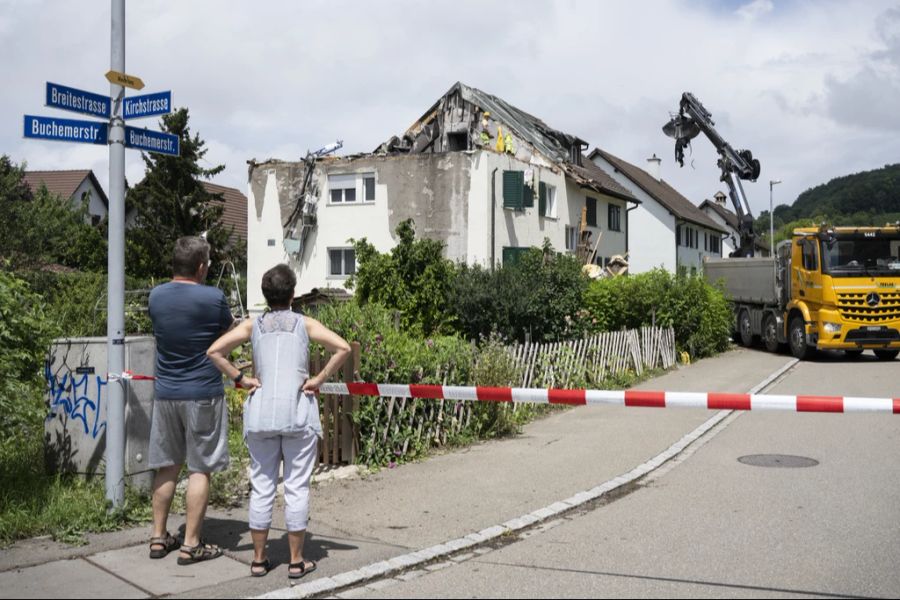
{"points": [[190, 417]]}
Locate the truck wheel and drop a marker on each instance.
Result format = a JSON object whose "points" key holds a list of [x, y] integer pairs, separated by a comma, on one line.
{"points": [[887, 354], [770, 334], [798, 341], [744, 328]]}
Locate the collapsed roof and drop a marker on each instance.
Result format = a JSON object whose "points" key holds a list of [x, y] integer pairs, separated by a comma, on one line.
{"points": [[460, 119]]}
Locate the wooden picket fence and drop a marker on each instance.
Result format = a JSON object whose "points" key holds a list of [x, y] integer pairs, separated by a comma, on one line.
{"points": [[340, 443], [594, 360]]}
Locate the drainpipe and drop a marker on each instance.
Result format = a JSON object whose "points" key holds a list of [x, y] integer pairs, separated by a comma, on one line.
{"points": [[493, 218], [628, 227]]}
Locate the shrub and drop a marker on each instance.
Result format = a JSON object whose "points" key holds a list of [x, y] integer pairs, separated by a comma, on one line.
{"points": [[413, 278], [539, 294], [699, 312]]}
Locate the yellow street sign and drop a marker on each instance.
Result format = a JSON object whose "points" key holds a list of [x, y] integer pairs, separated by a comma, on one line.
{"points": [[129, 81]]}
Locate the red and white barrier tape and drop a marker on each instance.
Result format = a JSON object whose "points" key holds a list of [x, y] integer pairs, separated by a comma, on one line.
{"points": [[129, 376], [711, 401]]}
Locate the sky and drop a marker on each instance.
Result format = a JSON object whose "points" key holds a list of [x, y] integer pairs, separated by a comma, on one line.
{"points": [[812, 88]]}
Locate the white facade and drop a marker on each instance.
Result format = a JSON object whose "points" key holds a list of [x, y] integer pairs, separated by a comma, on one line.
{"points": [[448, 195], [728, 240], [654, 230], [651, 225]]}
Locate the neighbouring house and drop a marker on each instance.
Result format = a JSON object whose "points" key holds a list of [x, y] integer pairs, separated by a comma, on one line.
{"points": [[666, 229], [234, 213], [719, 212], [80, 187], [474, 172]]}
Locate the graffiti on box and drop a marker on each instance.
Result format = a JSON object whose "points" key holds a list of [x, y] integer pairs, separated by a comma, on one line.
{"points": [[70, 394]]}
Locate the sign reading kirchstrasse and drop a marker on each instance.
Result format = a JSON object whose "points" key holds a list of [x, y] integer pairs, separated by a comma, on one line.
{"points": [[66, 98], [148, 105], [151, 141], [66, 130]]}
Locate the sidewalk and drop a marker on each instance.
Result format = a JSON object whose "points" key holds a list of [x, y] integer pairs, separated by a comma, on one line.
{"points": [[358, 522]]}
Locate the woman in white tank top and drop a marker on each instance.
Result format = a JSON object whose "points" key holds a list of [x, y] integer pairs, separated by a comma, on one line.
{"points": [[281, 414]]}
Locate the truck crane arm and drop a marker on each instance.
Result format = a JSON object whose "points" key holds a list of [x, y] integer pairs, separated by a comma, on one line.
{"points": [[693, 119]]}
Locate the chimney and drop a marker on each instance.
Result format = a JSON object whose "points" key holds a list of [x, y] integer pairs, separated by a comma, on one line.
{"points": [[720, 198], [653, 165]]}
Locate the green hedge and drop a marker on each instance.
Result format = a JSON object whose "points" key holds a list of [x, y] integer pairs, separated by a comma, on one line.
{"points": [[699, 312], [75, 303]]}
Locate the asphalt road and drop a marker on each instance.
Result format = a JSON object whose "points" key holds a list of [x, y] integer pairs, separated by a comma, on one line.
{"points": [[708, 525]]}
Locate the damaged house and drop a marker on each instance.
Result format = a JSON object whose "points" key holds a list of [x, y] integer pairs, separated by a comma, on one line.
{"points": [[474, 172]]}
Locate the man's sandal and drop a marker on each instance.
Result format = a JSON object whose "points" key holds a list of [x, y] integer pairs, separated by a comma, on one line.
{"points": [[199, 553], [304, 570], [265, 565], [161, 546]]}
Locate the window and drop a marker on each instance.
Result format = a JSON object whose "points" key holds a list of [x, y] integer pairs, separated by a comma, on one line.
{"points": [[342, 188], [342, 262], [347, 188], [547, 200], [615, 218], [715, 244], [591, 212], [687, 236], [571, 239], [810, 258], [368, 188]]}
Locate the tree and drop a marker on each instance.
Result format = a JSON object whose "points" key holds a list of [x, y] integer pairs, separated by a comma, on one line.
{"points": [[171, 202], [413, 278], [39, 228], [538, 294]]}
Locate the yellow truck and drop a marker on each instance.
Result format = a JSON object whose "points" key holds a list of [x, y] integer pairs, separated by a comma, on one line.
{"points": [[828, 288]]}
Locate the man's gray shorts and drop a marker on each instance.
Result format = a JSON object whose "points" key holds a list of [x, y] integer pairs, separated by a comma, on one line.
{"points": [[192, 432]]}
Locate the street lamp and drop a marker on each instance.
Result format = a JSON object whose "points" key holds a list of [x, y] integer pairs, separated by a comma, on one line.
{"points": [[773, 183], [772, 219]]}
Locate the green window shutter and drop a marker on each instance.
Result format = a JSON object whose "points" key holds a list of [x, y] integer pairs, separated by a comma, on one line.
{"points": [[513, 189], [592, 212], [511, 255], [528, 196], [542, 199]]}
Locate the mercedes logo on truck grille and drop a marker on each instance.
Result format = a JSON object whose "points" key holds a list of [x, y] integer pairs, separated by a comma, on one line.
{"points": [[873, 299]]}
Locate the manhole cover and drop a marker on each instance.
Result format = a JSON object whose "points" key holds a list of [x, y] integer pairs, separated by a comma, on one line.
{"points": [[778, 460]]}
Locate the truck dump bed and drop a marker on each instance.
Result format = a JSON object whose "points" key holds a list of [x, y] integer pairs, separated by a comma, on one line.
{"points": [[747, 280]]}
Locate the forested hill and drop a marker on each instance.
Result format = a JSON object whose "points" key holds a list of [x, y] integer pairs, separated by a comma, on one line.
{"points": [[870, 197]]}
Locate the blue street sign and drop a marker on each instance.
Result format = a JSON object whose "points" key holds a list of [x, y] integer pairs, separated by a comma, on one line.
{"points": [[66, 130], [151, 141], [66, 98], [148, 105]]}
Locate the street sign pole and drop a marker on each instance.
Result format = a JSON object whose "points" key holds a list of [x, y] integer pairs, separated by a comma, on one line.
{"points": [[115, 328]]}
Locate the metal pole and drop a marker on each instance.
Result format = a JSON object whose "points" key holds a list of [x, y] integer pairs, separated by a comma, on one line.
{"points": [[115, 329], [772, 184]]}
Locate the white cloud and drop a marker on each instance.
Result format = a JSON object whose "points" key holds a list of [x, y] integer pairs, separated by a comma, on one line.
{"points": [[755, 9], [275, 79]]}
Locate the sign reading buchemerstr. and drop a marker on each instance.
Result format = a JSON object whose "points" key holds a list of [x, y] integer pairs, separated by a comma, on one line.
{"points": [[66, 130], [66, 98], [151, 141], [135, 107]]}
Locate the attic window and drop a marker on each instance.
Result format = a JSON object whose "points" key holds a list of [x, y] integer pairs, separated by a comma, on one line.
{"points": [[457, 142]]}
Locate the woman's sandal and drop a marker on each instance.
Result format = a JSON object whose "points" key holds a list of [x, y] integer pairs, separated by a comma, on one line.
{"points": [[304, 570], [199, 553], [265, 565], [167, 543]]}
